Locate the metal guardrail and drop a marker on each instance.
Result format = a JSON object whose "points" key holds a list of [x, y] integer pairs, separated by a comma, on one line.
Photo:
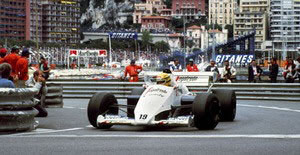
{"points": [[244, 91], [16, 109]]}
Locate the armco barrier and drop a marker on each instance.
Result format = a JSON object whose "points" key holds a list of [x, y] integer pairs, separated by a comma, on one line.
{"points": [[244, 91], [16, 109], [54, 97]]}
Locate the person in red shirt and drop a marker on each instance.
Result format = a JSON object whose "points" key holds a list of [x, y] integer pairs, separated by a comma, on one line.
{"points": [[22, 68], [133, 70], [191, 67], [12, 59], [3, 52]]}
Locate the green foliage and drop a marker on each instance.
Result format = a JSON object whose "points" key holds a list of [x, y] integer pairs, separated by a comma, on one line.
{"points": [[128, 23], [190, 43], [161, 46], [217, 26], [51, 45], [196, 49], [12, 42], [177, 22], [230, 30], [146, 39], [168, 3], [115, 44], [198, 22]]}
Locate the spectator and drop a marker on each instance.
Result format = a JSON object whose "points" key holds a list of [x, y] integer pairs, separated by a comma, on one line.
{"points": [[12, 59], [176, 67], [73, 65], [37, 81], [43, 66], [290, 71], [254, 72], [298, 69], [5, 71], [273, 70], [3, 52], [212, 67], [191, 67], [228, 73], [133, 70], [22, 69]]}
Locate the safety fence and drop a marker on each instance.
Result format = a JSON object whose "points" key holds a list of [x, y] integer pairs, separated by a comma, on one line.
{"points": [[16, 109], [244, 91]]}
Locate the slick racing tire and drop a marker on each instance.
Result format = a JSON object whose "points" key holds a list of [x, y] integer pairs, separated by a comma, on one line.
{"points": [[227, 99], [135, 91], [100, 104], [206, 111]]}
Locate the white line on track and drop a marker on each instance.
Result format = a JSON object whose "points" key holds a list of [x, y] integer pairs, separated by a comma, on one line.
{"points": [[260, 136], [267, 107], [67, 107], [45, 131]]}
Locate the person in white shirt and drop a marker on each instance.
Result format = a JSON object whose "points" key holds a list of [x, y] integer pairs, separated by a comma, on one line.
{"points": [[228, 72], [176, 67], [37, 81], [298, 69]]}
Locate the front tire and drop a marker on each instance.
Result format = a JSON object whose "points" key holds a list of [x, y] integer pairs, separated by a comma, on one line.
{"points": [[100, 104], [227, 100], [206, 111]]}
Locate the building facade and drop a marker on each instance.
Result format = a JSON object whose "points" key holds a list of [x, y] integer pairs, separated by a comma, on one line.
{"points": [[252, 15], [155, 23], [36, 24], [190, 9], [45, 21], [14, 21], [149, 8], [285, 26], [61, 21], [222, 12], [203, 38]]}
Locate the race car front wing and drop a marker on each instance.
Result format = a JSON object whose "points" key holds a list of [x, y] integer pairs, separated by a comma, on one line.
{"points": [[119, 120]]}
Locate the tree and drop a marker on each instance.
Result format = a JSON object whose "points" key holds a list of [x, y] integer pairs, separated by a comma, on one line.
{"points": [[190, 43], [162, 46], [198, 22], [168, 3], [177, 22], [230, 30], [28, 43], [146, 39], [210, 26]]}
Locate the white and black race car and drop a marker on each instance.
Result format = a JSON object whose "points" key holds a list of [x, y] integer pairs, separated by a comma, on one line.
{"points": [[159, 105]]}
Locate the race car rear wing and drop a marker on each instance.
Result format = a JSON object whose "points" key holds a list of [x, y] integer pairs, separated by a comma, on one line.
{"points": [[190, 78]]}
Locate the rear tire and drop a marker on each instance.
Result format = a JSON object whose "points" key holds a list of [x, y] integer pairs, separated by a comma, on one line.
{"points": [[135, 91], [206, 111], [227, 100], [100, 104]]}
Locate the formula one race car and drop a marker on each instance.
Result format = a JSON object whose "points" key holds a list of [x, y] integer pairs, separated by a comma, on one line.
{"points": [[160, 105]]}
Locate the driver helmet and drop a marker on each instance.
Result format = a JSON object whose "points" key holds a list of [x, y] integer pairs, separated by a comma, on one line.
{"points": [[163, 79]]}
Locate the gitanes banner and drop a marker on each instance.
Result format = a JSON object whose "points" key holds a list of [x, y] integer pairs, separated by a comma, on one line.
{"points": [[235, 58], [126, 35]]}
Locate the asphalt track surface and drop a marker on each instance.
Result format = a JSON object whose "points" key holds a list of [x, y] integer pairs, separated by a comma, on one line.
{"points": [[261, 127]]}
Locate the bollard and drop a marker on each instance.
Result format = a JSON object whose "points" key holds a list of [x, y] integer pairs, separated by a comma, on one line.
{"points": [[16, 109]]}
